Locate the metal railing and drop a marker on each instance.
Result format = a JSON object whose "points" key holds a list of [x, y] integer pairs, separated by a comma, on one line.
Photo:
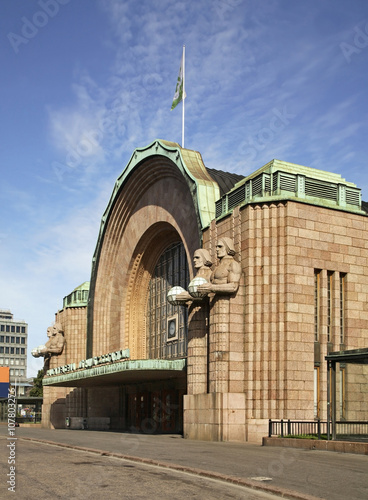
{"points": [[353, 429], [319, 429], [35, 419]]}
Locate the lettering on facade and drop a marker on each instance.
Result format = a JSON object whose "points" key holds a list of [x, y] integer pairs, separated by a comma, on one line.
{"points": [[111, 357]]}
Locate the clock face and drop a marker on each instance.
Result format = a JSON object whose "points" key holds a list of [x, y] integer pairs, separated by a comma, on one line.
{"points": [[172, 329]]}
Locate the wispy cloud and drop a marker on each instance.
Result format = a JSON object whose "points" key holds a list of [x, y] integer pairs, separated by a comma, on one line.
{"points": [[59, 258]]}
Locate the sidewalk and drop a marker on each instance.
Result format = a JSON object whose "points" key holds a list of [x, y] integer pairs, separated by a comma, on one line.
{"points": [[292, 473]]}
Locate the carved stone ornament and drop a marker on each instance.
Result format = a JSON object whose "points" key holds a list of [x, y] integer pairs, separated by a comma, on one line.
{"points": [[202, 263], [226, 275], [55, 344]]}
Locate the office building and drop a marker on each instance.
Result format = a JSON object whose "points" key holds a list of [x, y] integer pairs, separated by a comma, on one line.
{"points": [[13, 349]]}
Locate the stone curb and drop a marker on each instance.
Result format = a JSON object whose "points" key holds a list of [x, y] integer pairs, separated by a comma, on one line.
{"points": [[354, 447], [282, 492]]}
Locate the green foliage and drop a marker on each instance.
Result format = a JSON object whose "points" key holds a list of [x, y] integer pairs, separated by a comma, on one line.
{"points": [[37, 389]]}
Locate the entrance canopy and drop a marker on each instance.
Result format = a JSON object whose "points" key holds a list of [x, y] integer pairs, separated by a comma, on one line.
{"points": [[125, 372], [357, 356], [358, 384]]}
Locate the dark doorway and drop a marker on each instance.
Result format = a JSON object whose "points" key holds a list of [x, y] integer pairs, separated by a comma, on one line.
{"points": [[154, 412]]}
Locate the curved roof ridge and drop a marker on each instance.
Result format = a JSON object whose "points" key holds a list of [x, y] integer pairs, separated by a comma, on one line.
{"points": [[225, 180]]}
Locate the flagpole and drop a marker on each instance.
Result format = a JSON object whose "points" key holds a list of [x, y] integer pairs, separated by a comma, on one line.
{"points": [[183, 111]]}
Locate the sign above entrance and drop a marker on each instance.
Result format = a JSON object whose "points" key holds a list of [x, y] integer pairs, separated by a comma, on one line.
{"points": [[111, 357]]}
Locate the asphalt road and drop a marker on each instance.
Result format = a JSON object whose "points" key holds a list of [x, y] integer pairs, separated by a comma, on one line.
{"points": [[45, 472], [305, 473]]}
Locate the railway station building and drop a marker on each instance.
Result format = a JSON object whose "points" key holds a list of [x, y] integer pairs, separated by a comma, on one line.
{"points": [[285, 255]]}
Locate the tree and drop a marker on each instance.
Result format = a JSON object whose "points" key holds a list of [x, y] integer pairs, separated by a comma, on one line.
{"points": [[37, 389]]}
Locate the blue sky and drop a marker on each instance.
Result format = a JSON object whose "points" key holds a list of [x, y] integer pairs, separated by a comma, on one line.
{"points": [[85, 82]]}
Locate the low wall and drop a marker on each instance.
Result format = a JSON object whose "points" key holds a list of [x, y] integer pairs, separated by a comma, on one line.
{"points": [[34, 426], [215, 417], [315, 444], [91, 423]]}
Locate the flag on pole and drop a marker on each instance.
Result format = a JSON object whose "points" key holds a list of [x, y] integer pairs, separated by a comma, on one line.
{"points": [[179, 94]]}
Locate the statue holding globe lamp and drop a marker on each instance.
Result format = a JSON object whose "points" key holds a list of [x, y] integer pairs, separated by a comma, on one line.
{"points": [[39, 350], [202, 263], [53, 347], [226, 275]]}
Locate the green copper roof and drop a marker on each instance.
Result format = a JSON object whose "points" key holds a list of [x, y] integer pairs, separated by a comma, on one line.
{"points": [[279, 180], [203, 189], [78, 297], [120, 372]]}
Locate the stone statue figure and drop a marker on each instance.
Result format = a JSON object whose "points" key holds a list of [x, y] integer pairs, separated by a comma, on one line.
{"points": [[226, 275], [202, 263], [55, 344]]}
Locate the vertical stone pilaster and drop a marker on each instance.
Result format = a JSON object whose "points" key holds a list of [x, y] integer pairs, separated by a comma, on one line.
{"points": [[281, 365], [248, 253], [219, 344], [237, 341], [335, 334], [197, 369]]}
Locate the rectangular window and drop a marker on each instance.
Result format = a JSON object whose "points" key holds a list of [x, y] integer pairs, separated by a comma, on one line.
{"points": [[17, 350], [316, 392], [13, 329], [17, 340], [342, 392], [22, 351], [317, 290], [1, 349], [23, 340], [2, 328], [329, 304], [23, 329], [8, 328], [2, 338], [7, 339], [12, 340], [18, 329], [342, 307], [12, 350], [6, 350]]}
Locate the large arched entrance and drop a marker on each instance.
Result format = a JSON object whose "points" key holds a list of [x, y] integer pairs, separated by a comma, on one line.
{"points": [[166, 325], [156, 213], [157, 406]]}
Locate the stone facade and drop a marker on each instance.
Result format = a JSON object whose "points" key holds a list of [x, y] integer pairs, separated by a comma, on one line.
{"points": [[252, 355], [62, 402], [272, 324]]}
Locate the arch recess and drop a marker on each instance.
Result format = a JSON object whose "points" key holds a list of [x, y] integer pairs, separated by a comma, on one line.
{"points": [[164, 195], [148, 251]]}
